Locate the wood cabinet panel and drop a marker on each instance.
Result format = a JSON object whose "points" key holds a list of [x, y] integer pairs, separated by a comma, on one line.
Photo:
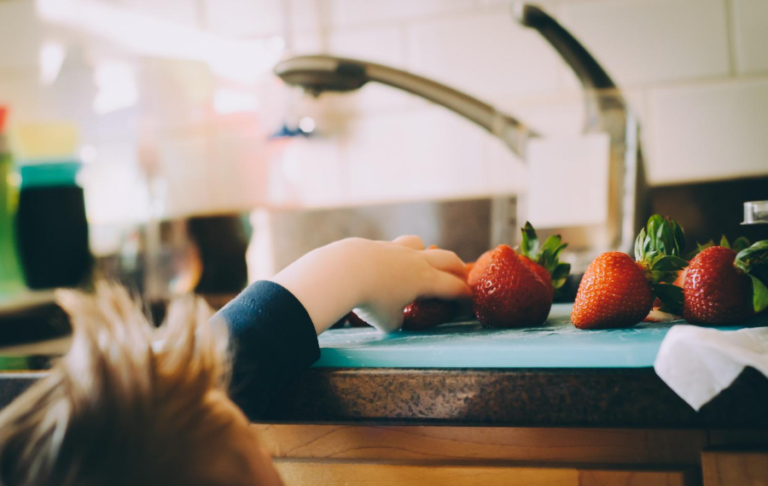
{"points": [[541, 445], [323, 473], [735, 468]]}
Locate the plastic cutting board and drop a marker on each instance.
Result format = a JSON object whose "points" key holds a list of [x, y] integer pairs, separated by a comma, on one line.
{"points": [[557, 344]]}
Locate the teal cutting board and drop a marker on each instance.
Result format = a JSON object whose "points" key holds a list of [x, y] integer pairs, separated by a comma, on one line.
{"points": [[557, 344]]}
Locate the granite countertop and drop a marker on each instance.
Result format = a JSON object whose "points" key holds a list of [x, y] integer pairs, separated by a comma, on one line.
{"points": [[518, 397], [481, 395], [514, 397], [551, 375]]}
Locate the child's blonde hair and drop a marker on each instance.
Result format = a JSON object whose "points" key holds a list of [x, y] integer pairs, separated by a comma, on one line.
{"points": [[129, 404]]}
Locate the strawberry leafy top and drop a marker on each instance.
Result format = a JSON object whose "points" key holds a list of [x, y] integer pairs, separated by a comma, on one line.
{"points": [[739, 244], [754, 262], [658, 249], [548, 256]]}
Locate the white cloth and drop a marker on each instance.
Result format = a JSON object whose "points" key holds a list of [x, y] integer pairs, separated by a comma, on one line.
{"points": [[698, 363]]}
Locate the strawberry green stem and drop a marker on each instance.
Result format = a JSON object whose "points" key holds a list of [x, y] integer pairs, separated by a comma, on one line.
{"points": [[548, 256], [658, 248], [754, 262]]}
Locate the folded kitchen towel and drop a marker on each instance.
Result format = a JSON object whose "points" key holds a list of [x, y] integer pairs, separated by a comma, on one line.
{"points": [[698, 363]]}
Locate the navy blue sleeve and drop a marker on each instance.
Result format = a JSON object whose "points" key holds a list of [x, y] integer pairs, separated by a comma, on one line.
{"points": [[273, 340]]}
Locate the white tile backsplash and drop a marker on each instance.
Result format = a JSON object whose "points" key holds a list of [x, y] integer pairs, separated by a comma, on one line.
{"points": [[306, 43], [653, 41], [547, 115], [383, 45], [505, 173], [696, 71], [244, 18], [373, 98], [356, 12], [486, 55], [750, 21], [497, 4], [305, 15], [182, 12], [415, 155], [709, 132], [377, 44]]}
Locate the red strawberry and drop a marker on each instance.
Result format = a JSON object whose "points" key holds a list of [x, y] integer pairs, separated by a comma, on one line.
{"points": [[540, 272], [478, 269], [617, 291], [426, 313], [719, 288], [509, 294], [614, 292]]}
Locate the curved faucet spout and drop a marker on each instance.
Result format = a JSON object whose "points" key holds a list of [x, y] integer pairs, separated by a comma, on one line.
{"points": [[317, 74], [606, 112], [593, 78]]}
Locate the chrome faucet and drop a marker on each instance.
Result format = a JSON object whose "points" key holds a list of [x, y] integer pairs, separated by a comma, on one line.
{"points": [[317, 74], [605, 108]]}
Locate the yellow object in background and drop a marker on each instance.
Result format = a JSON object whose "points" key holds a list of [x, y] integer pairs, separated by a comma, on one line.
{"points": [[42, 141]]}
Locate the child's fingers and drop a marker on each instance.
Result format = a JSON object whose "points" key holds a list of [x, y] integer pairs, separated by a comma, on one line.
{"points": [[447, 286], [447, 261], [410, 241]]}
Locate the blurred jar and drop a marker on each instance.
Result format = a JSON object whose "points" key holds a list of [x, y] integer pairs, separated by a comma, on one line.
{"points": [[51, 225]]}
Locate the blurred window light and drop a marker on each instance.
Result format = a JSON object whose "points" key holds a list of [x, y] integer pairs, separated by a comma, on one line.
{"points": [[307, 125], [51, 58], [88, 154], [115, 193], [237, 60], [117, 87], [227, 101]]}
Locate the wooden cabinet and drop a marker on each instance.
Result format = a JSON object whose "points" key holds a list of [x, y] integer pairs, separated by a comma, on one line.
{"points": [[426, 455], [322, 473], [735, 468]]}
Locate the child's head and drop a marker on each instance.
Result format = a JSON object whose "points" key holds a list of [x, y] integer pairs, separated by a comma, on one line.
{"points": [[130, 404]]}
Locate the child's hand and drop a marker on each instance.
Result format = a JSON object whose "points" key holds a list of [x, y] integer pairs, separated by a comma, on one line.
{"points": [[378, 278]]}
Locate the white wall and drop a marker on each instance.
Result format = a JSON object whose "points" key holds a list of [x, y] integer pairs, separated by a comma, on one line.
{"points": [[696, 71]]}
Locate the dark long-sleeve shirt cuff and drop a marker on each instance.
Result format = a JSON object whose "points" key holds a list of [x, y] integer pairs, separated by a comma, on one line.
{"points": [[272, 339]]}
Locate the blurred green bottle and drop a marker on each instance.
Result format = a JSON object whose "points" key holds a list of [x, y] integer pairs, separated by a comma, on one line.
{"points": [[11, 276]]}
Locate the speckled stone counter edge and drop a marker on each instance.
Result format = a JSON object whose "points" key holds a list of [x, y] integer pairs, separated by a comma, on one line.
{"points": [[521, 398], [525, 398]]}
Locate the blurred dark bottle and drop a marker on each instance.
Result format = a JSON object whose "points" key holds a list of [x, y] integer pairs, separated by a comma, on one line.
{"points": [[51, 223]]}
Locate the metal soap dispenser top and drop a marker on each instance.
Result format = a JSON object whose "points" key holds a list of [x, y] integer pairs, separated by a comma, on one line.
{"points": [[755, 212]]}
